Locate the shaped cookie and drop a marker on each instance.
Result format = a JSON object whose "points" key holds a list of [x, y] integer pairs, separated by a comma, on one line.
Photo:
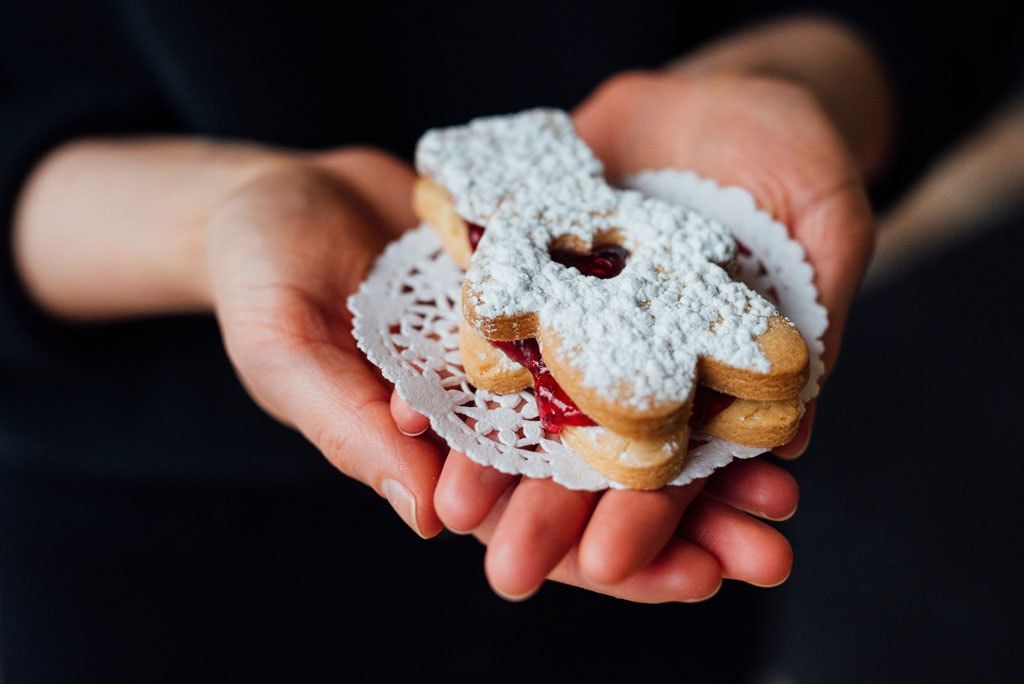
{"points": [[627, 347]]}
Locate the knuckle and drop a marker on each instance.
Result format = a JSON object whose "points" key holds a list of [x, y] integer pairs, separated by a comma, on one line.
{"points": [[602, 568], [335, 441]]}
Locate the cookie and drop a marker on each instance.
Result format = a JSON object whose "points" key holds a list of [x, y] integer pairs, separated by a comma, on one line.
{"points": [[626, 299], [635, 463]]}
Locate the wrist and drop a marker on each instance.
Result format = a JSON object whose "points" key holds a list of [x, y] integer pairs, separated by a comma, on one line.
{"points": [[107, 228], [221, 171]]}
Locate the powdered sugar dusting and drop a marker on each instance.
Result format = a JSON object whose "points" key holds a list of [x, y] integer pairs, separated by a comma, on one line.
{"points": [[637, 336]]}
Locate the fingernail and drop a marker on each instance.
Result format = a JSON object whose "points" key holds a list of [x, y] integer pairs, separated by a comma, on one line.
{"points": [[516, 599], [412, 434], [785, 517], [776, 584], [403, 503], [705, 598]]}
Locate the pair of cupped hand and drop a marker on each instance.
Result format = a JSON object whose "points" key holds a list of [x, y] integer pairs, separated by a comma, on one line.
{"points": [[286, 250]]}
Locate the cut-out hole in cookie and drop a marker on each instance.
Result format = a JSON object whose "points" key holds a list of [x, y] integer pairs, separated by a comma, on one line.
{"points": [[605, 259], [475, 233]]}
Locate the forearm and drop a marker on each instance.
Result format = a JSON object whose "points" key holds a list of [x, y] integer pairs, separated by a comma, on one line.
{"points": [[829, 59], [109, 228]]}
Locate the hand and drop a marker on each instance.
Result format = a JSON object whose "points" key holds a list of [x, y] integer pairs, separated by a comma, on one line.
{"points": [[284, 251], [679, 543]]}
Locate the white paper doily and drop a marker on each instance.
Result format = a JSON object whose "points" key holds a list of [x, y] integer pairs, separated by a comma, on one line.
{"points": [[406, 320]]}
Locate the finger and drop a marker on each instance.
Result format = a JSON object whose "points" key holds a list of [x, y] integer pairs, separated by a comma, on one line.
{"points": [[485, 530], [542, 521], [629, 528], [681, 572], [757, 487], [747, 550], [359, 436], [796, 447], [409, 422], [467, 492]]}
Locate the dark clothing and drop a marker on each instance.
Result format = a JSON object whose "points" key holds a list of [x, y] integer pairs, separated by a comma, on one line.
{"points": [[151, 517]]}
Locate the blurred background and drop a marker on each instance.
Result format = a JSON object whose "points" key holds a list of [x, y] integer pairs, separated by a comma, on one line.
{"points": [[210, 544]]}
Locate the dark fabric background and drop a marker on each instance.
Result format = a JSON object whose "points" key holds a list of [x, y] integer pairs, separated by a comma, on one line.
{"points": [[909, 524]]}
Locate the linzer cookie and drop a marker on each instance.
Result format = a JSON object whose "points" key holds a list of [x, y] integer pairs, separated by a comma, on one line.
{"points": [[617, 307]]}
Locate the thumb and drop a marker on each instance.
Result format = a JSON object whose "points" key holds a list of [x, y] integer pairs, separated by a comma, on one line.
{"points": [[337, 402]]}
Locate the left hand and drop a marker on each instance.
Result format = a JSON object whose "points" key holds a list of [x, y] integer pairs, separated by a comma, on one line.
{"points": [[772, 138]]}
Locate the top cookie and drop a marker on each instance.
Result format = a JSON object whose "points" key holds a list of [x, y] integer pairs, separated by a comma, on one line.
{"points": [[480, 163], [637, 340]]}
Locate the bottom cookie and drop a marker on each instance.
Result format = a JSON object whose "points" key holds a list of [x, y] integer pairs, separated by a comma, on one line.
{"points": [[636, 462]]}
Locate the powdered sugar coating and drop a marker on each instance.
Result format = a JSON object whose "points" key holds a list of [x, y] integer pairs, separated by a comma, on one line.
{"points": [[481, 162], [635, 337]]}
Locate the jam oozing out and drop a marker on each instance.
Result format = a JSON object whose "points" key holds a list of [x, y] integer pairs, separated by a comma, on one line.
{"points": [[604, 261], [554, 406], [707, 404]]}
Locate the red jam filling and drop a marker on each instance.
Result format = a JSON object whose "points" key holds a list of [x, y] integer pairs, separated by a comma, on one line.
{"points": [[554, 406], [707, 404], [475, 233]]}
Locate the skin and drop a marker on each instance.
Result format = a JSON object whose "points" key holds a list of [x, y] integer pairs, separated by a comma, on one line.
{"points": [[273, 241]]}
